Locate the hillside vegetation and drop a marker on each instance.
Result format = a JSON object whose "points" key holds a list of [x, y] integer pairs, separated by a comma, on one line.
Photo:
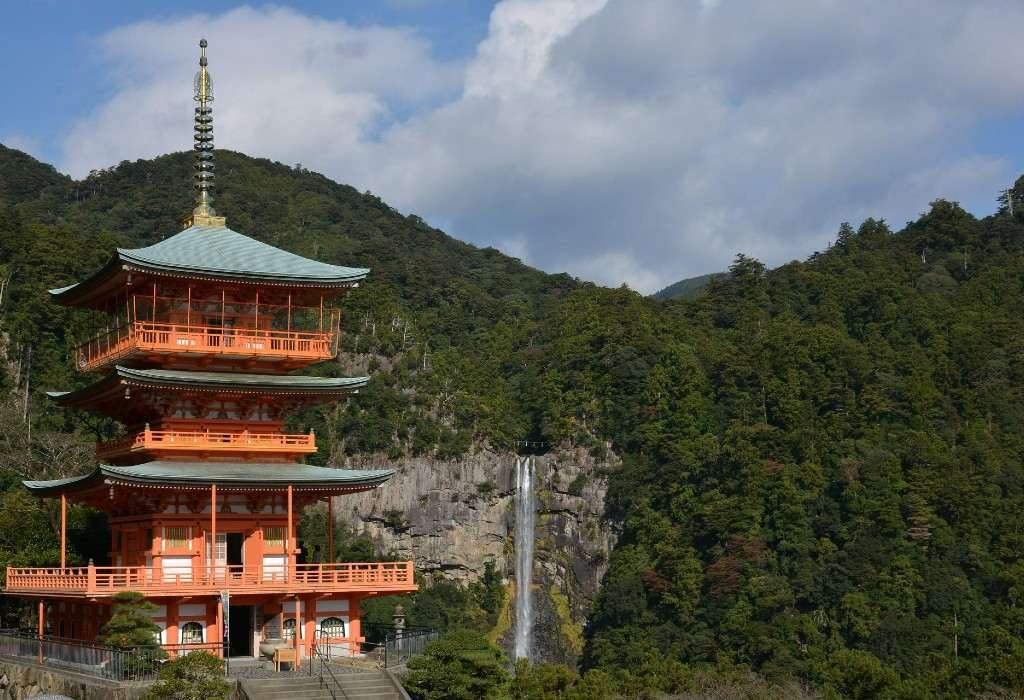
{"points": [[822, 473], [689, 288]]}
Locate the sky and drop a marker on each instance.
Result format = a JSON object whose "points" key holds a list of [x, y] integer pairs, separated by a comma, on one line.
{"points": [[623, 141]]}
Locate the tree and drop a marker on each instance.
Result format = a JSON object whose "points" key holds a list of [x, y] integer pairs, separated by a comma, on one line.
{"points": [[130, 626], [460, 665], [198, 675]]}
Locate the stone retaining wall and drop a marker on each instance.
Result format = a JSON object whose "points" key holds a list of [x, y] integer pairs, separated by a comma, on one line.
{"points": [[22, 679]]}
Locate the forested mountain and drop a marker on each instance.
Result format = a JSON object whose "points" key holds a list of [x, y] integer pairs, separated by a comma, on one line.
{"points": [[689, 288], [822, 473]]}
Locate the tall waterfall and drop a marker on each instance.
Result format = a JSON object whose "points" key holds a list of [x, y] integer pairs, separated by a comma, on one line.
{"points": [[526, 511]]}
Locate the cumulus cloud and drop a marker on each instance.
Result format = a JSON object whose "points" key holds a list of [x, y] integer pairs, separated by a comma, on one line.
{"points": [[621, 140]]}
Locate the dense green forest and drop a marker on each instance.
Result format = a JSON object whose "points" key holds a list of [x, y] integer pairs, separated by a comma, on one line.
{"points": [[822, 476], [689, 288]]}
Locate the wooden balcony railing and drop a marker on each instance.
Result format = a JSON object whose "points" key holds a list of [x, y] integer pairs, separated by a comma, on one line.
{"points": [[172, 338], [88, 581], [207, 441]]}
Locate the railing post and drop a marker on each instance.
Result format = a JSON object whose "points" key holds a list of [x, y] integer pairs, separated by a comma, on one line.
{"points": [[91, 577]]}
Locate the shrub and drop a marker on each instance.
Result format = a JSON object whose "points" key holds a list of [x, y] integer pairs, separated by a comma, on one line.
{"points": [[195, 676], [460, 665]]}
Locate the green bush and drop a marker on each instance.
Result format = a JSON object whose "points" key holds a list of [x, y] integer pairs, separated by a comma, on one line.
{"points": [[459, 666], [195, 676]]}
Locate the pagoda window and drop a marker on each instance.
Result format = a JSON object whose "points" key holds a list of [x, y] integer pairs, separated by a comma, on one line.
{"points": [[177, 538], [288, 629], [273, 537], [332, 627], [192, 633]]}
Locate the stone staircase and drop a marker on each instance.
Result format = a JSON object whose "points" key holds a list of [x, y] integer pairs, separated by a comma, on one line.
{"points": [[357, 685]]}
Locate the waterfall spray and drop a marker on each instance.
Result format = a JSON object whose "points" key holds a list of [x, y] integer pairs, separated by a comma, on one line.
{"points": [[526, 510]]}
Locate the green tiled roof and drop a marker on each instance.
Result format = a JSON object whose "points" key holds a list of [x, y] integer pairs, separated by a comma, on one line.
{"points": [[220, 253], [223, 474], [237, 380], [226, 381]]}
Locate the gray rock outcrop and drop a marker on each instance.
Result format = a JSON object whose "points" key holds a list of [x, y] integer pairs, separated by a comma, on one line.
{"points": [[451, 517]]}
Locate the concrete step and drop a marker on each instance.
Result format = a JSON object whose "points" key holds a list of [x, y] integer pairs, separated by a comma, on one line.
{"points": [[360, 685]]}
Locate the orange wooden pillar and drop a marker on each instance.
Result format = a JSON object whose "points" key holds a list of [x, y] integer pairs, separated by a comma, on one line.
{"points": [[329, 556], [42, 627], [310, 622], [211, 564], [355, 627], [298, 608], [63, 531], [289, 549], [171, 622]]}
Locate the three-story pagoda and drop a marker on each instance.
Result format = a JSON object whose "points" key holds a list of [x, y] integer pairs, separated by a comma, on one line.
{"points": [[204, 491]]}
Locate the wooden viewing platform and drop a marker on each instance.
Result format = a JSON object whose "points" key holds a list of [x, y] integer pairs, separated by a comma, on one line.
{"points": [[101, 581], [207, 441], [142, 338]]}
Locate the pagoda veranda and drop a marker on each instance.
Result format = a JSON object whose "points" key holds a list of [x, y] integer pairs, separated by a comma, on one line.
{"points": [[204, 491]]}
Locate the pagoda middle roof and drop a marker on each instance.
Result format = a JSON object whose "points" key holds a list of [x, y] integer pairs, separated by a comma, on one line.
{"points": [[214, 252], [227, 382], [228, 474]]}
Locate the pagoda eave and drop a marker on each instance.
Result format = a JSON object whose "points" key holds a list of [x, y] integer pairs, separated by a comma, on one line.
{"points": [[227, 476], [210, 254]]}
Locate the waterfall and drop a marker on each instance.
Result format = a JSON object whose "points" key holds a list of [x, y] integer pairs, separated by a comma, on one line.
{"points": [[526, 511]]}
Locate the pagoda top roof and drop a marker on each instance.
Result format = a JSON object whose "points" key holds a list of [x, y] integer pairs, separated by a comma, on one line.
{"points": [[216, 253], [248, 475]]}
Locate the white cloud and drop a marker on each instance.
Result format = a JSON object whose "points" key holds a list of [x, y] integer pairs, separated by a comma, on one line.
{"points": [[23, 142], [622, 140]]}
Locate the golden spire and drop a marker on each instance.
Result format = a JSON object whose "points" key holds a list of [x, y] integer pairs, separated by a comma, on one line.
{"points": [[203, 214]]}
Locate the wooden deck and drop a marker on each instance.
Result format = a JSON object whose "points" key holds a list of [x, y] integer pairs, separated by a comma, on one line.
{"points": [[207, 441], [150, 338], [104, 581]]}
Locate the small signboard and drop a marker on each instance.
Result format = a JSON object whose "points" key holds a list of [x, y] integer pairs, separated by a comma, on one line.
{"points": [[225, 602]]}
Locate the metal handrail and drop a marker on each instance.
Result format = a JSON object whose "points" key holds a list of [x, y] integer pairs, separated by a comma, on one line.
{"points": [[322, 658], [87, 658], [400, 644]]}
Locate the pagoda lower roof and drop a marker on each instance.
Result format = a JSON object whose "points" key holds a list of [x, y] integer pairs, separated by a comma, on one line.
{"points": [[221, 382], [241, 475], [214, 253]]}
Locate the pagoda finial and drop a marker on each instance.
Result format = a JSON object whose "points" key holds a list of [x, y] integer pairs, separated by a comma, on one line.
{"points": [[203, 214]]}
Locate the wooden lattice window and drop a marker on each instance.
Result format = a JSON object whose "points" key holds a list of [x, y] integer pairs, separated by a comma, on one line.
{"points": [[177, 538], [192, 633], [332, 627], [273, 537]]}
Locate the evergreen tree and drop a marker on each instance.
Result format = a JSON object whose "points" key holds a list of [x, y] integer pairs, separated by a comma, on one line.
{"points": [[458, 666], [130, 625], [197, 675]]}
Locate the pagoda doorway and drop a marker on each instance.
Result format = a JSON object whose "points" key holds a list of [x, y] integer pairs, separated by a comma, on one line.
{"points": [[235, 546], [241, 630]]}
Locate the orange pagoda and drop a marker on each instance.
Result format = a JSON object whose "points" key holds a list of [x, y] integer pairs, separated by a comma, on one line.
{"points": [[204, 491]]}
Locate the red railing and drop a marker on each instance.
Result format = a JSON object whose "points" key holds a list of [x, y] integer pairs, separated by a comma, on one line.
{"points": [[205, 440], [108, 580], [179, 338]]}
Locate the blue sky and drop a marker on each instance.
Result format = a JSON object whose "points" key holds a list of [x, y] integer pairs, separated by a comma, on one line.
{"points": [[56, 40], [636, 141]]}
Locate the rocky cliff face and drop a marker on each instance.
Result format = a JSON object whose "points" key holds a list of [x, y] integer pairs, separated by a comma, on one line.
{"points": [[452, 517]]}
